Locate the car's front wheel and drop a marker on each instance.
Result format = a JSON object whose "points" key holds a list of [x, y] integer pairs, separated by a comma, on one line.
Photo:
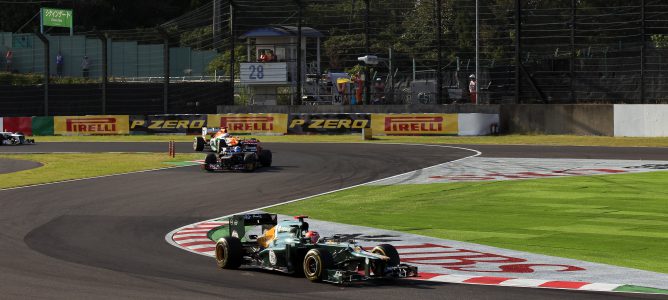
{"points": [[378, 266], [210, 159], [316, 263], [265, 158]]}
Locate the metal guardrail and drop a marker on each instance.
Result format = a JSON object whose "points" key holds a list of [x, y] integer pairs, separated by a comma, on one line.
{"points": [[172, 79]]}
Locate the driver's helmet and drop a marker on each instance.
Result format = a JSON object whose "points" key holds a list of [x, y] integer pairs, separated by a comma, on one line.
{"points": [[221, 133], [236, 149], [313, 236]]}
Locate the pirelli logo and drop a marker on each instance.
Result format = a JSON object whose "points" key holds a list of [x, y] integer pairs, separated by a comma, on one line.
{"points": [[407, 124], [91, 125], [242, 124]]}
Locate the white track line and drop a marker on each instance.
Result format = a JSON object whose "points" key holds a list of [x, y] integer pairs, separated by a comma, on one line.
{"points": [[168, 236]]}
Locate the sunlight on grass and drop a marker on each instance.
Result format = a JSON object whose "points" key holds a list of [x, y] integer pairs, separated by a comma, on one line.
{"points": [[619, 221], [60, 166]]}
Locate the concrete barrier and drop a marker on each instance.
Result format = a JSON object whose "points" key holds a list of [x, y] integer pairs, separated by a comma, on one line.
{"points": [[575, 119], [477, 124], [641, 120]]}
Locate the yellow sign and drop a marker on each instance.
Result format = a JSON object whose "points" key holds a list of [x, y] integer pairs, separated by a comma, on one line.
{"points": [[414, 124], [91, 125], [250, 123]]}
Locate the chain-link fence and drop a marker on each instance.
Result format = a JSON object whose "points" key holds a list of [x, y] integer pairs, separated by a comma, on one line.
{"points": [[578, 51]]}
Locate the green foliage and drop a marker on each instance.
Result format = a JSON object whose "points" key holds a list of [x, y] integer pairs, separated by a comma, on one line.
{"points": [[36, 79], [338, 47], [20, 79], [660, 40], [222, 61], [357, 69], [199, 38]]}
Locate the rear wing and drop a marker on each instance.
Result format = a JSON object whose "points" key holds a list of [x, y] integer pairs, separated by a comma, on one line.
{"points": [[238, 223], [208, 131]]}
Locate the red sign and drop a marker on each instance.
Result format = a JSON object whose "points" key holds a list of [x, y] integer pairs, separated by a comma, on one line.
{"points": [[18, 124], [413, 123], [242, 124], [102, 125]]}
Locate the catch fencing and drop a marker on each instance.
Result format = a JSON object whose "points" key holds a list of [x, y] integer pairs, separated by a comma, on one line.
{"points": [[523, 52]]}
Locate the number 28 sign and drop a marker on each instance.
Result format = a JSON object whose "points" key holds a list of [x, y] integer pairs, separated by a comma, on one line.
{"points": [[275, 72]]}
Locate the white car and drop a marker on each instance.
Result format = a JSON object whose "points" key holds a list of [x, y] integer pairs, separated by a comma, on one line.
{"points": [[14, 138]]}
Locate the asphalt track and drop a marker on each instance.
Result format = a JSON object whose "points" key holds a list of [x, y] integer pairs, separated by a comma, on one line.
{"points": [[103, 238], [14, 165]]}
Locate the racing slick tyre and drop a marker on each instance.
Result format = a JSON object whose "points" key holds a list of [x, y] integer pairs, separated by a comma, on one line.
{"points": [[198, 144], [250, 162], [265, 158], [316, 263], [210, 160], [378, 267], [229, 253]]}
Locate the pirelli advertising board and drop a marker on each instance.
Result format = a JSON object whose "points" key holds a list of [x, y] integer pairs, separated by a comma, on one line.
{"points": [[167, 124], [250, 123], [328, 123], [414, 124], [91, 125]]}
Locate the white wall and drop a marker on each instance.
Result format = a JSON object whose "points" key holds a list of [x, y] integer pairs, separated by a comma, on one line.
{"points": [[476, 124], [641, 120], [1, 122]]}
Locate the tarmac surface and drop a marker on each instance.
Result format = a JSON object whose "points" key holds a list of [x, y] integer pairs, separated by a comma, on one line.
{"points": [[103, 238], [8, 165]]}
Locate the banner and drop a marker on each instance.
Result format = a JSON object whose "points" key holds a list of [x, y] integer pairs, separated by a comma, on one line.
{"points": [[42, 125], [414, 124], [91, 125], [167, 124], [250, 123], [328, 123], [17, 124], [56, 17]]}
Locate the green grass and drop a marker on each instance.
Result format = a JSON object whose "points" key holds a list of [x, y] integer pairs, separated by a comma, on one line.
{"points": [[613, 219], [556, 140], [59, 167]]}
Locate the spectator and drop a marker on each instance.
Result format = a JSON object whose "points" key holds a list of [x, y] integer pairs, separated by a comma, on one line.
{"points": [[472, 89], [85, 65], [359, 87], [379, 91], [263, 56], [59, 65], [9, 59]]}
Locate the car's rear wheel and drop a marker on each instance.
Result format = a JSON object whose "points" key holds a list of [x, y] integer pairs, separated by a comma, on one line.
{"points": [[198, 144], [316, 263], [229, 253], [378, 266], [265, 158]]}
